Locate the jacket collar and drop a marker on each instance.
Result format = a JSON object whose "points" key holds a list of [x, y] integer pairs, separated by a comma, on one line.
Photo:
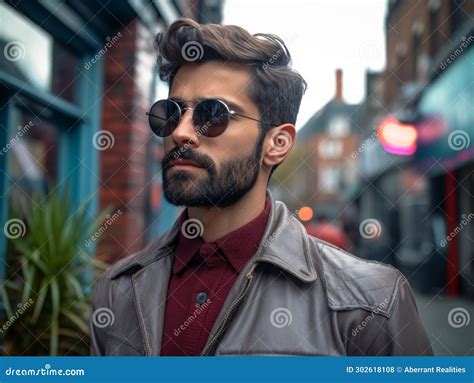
{"points": [[284, 244]]}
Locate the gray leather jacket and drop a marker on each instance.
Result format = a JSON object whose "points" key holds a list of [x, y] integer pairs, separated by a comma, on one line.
{"points": [[297, 296]]}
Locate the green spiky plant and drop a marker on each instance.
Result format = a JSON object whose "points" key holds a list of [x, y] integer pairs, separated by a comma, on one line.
{"points": [[50, 266]]}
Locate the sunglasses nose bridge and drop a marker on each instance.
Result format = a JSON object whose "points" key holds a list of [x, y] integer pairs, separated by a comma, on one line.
{"points": [[185, 131]]}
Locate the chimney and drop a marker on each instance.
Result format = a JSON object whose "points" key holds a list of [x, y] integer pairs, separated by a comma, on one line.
{"points": [[338, 96]]}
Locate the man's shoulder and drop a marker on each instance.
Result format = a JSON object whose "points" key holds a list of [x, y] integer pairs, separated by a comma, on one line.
{"points": [[355, 283]]}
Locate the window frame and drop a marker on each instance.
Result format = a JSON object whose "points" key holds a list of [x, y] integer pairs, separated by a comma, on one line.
{"points": [[77, 160]]}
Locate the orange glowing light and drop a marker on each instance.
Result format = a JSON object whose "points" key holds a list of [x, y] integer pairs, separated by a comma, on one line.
{"points": [[305, 213], [396, 137]]}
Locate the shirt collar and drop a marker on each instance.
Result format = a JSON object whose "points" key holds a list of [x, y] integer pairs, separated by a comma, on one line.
{"points": [[237, 246]]}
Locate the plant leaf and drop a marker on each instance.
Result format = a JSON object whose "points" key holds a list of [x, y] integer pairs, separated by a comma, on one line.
{"points": [[6, 301], [43, 291], [76, 319], [53, 342]]}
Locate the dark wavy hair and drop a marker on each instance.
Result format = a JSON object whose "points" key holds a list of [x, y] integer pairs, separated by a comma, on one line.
{"points": [[275, 88]]}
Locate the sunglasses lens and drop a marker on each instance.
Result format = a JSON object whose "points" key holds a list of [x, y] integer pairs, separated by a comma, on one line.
{"points": [[211, 118], [163, 117]]}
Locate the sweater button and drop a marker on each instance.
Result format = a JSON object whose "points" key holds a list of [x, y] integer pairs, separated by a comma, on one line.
{"points": [[201, 298]]}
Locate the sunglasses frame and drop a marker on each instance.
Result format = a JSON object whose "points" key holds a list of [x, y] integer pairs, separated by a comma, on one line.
{"points": [[229, 112]]}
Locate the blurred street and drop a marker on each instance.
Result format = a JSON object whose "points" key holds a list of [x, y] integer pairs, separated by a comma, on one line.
{"points": [[447, 338]]}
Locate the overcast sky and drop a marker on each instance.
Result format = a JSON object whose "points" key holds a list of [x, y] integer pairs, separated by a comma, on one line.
{"points": [[322, 35]]}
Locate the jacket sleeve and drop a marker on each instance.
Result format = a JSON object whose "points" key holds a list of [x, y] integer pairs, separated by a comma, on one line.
{"points": [[402, 333], [97, 340]]}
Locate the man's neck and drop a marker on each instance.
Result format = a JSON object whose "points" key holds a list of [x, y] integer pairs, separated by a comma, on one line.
{"points": [[218, 222]]}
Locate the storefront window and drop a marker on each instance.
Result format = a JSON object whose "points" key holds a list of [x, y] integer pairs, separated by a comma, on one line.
{"points": [[31, 55], [33, 155], [447, 129]]}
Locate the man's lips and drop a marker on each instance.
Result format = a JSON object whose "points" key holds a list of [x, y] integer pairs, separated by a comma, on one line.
{"points": [[183, 163]]}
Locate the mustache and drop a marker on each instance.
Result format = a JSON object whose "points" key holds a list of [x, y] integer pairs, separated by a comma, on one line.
{"points": [[200, 159]]}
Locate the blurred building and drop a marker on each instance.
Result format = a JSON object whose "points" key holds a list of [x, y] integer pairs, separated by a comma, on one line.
{"points": [[417, 160], [325, 145], [76, 79]]}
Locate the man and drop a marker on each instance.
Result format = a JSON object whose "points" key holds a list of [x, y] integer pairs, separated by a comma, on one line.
{"points": [[237, 274]]}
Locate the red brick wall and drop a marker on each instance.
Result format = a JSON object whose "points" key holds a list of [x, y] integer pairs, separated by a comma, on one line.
{"points": [[128, 76]]}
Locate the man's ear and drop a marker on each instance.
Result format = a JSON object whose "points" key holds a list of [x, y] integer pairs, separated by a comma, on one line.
{"points": [[278, 143]]}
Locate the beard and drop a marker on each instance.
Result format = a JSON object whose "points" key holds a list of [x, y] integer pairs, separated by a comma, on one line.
{"points": [[216, 188]]}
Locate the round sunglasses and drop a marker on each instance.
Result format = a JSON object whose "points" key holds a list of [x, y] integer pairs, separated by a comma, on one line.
{"points": [[210, 117]]}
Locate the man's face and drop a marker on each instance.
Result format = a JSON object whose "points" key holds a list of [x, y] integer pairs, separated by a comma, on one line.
{"points": [[201, 171]]}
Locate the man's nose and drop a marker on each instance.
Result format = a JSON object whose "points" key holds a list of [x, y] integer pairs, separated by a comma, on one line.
{"points": [[185, 132]]}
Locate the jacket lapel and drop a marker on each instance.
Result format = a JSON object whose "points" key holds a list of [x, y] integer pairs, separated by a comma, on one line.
{"points": [[150, 288], [285, 244]]}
